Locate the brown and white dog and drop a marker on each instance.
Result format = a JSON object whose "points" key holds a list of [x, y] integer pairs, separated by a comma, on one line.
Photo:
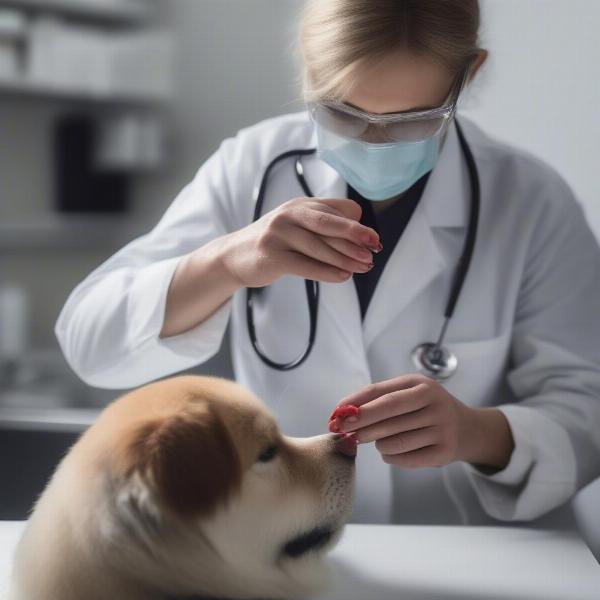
{"points": [[185, 487]]}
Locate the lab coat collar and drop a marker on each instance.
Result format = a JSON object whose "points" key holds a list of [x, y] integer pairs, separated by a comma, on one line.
{"points": [[416, 259]]}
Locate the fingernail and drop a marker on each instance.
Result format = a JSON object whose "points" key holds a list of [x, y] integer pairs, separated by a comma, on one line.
{"points": [[351, 419], [345, 411]]}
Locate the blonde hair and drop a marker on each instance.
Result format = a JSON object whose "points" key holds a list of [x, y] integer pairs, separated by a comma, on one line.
{"points": [[338, 37]]}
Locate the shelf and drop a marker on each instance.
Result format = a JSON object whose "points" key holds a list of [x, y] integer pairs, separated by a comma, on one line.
{"points": [[22, 87], [47, 419], [71, 231], [119, 11]]}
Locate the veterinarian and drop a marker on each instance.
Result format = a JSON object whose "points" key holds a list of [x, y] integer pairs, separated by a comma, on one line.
{"points": [[370, 204]]}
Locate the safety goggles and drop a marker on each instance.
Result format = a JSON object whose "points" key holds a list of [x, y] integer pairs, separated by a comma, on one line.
{"points": [[410, 126]]}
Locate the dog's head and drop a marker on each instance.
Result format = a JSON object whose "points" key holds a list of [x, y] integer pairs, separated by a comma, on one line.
{"points": [[203, 494]]}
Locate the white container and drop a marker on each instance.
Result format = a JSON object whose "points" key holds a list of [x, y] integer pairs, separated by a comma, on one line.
{"points": [[41, 55], [89, 60], [130, 141], [9, 61], [13, 25], [69, 57], [14, 322], [141, 64]]}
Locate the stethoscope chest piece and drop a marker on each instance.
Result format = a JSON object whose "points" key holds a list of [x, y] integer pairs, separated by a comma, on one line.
{"points": [[434, 361]]}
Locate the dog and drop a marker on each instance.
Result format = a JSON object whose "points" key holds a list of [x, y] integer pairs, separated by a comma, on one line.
{"points": [[185, 488]]}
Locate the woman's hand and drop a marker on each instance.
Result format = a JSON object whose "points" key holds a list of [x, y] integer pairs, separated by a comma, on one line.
{"points": [[415, 422], [319, 239]]}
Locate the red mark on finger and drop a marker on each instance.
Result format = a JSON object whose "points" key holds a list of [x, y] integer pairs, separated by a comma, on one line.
{"points": [[339, 413], [345, 411]]}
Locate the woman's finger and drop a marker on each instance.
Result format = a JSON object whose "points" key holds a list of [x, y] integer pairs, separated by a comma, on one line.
{"points": [[415, 459], [393, 404], [329, 224], [350, 249], [309, 268], [407, 441], [406, 422], [309, 244], [374, 390], [341, 206]]}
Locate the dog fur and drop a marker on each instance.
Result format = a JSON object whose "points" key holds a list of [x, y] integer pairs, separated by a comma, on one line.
{"points": [[176, 491]]}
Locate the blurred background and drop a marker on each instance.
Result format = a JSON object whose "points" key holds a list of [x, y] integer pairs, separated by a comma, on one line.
{"points": [[109, 107]]}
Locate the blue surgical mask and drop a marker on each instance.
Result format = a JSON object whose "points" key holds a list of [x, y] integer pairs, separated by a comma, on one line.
{"points": [[377, 171]]}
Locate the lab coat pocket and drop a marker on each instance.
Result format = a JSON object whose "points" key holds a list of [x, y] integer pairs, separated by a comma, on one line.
{"points": [[481, 369]]}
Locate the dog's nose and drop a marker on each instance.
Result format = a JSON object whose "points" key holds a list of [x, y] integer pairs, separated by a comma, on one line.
{"points": [[345, 443]]}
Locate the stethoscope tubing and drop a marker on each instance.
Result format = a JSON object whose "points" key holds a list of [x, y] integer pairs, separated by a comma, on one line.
{"points": [[469, 246], [312, 287]]}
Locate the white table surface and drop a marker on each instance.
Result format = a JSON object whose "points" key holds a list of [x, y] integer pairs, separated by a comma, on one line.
{"points": [[398, 562]]}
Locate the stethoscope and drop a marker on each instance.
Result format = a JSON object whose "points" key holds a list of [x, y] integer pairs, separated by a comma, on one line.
{"points": [[430, 358]]}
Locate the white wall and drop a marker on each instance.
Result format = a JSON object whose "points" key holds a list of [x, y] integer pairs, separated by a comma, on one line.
{"points": [[541, 87], [234, 67]]}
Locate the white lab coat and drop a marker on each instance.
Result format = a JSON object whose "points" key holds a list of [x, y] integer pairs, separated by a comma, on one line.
{"points": [[526, 329]]}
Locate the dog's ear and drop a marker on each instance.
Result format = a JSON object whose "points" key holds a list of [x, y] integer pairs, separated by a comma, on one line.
{"points": [[188, 459]]}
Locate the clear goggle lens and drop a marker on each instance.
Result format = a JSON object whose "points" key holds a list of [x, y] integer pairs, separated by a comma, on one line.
{"points": [[347, 123], [415, 126]]}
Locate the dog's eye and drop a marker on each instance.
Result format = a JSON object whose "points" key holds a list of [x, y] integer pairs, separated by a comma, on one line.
{"points": [[268, 453]]}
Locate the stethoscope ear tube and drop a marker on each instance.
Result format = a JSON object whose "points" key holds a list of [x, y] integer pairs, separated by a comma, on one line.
{"points": [[312, 287], [260, 191], [465, 259]]}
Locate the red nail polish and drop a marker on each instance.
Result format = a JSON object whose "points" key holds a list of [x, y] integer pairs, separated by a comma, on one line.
{"points": [[345, 411]]}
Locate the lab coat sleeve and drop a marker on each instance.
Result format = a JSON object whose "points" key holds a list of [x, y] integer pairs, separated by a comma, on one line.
{"points": [[554, 371], [109, 326]]}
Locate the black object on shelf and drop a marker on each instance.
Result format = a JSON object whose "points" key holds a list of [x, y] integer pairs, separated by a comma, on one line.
{"points": [[27, 461], [79, 187]]}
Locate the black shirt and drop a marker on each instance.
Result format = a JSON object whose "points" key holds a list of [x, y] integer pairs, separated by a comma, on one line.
{"points": [[389, 224]]}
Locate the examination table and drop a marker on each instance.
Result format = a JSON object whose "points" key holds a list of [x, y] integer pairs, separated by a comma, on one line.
{"points": [[398, 562]]}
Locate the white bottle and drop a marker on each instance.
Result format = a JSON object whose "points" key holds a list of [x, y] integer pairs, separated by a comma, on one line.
{"points": [[14, 322]]}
